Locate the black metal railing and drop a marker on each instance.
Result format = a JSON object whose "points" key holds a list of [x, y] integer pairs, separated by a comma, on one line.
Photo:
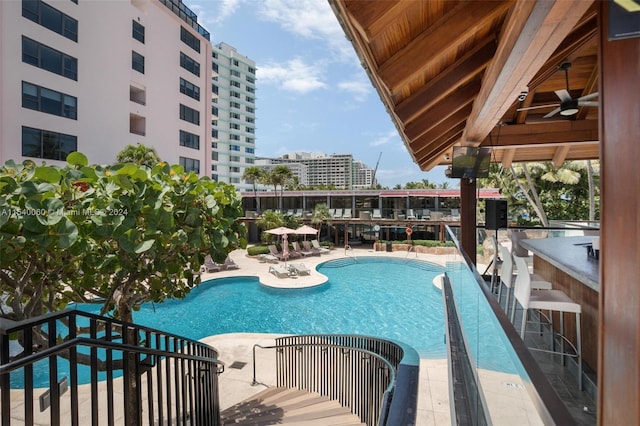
{"points": [[74, 367], [362, 373]]}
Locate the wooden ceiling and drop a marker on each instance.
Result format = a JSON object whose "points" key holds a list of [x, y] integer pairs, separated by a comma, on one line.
{"points": [[457, 73]]}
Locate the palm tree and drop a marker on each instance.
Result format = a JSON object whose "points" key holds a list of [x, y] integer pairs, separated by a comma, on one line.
{"points": [[279, 176], [139, 154], [320, 215], [254, 174]]}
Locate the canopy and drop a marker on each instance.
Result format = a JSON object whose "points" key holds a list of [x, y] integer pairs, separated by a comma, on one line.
{"points": [[283, 230], [306, 229]]}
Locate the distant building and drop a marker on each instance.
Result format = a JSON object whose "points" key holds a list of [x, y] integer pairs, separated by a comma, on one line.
{"points": [[339, 170], [233, 115], [138, 72]]}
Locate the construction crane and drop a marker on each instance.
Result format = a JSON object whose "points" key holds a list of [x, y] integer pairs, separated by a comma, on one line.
{"points": [[373, 178]]}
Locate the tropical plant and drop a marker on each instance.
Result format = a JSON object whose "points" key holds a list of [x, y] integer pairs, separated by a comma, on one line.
{"points": [[139, 154], [269, 220], [254, 175], [320, 216], [279, 176]]}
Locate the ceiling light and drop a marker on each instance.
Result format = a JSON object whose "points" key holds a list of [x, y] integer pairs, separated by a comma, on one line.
{"points": [[569, 107]]}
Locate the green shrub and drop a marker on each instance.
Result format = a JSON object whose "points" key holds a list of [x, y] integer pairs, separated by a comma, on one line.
{"points": [[257, 250]]}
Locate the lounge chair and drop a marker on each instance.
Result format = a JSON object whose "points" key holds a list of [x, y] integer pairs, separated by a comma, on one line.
{"points": [[274, 252], [317, 246], [268, 258], [337, 214], [210, 265], [297, 249], [279, 271], [346, 214], [307, 247], [426, 214], [299, 269], [229, 264], [376, 214], [410, 214]]}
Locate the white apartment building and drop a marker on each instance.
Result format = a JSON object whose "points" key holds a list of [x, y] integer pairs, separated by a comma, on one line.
{"points": [[94, 76], [233, 116], [339, 170]]}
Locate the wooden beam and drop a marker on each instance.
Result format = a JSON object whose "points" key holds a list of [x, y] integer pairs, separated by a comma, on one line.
{"points": [[556, 132], [441, 111], [447, 82], [532, 33], [560, 155], [445, 37], [453, 121], [372, 17], [507, 157]]}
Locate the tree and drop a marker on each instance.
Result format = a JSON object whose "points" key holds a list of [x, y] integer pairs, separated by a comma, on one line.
{"points": [[279, 176], [139, 154], [123, 233], [254, 175], [321, 215]]}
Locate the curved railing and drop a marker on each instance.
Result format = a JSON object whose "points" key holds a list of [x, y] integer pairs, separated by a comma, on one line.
{"points": [[136, 375], [376, 379]]}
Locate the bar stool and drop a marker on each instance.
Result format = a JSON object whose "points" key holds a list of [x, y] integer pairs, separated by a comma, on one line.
{"points": [[550, 300], [506, 278]]}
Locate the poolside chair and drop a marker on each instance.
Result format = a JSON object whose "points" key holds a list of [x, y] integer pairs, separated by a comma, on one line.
{"points": [[210, 265], [411, 214], [455, 214], [376, 214], [302, 252], [299, 269], [317, 246], [279, 271], [268, 258], [229, 264], [426, 214], [346, 214], [274, 252], [307, 248], [337, 214]]}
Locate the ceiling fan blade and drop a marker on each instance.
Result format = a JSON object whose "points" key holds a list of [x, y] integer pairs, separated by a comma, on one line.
{"points": [[552, 113], [563, 95], [588, 97], [538, 106], [588, 103]]}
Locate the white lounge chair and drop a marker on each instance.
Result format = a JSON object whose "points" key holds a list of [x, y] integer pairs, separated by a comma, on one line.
{"points": [[279, 271], [346, 214], [337, 214], [376, 214], [411, 214], [210, 265], [299, 269], [268, 258], [229, 264], [317, 246]]}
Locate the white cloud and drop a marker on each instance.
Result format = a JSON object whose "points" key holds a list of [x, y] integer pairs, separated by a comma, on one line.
{"points": [[359, 88], [294, 75], [312, 19], [221, 10], [390, 136]]}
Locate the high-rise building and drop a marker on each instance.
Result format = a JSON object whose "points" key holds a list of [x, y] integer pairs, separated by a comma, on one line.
{"points": [[94, 76], [233, 115], [338, 170]]}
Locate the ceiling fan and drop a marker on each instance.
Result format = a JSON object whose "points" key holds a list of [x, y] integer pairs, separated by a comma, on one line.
{"points": [[568, 106]]}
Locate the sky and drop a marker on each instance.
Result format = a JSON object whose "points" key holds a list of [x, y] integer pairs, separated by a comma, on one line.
{"points": [[312, 94]]}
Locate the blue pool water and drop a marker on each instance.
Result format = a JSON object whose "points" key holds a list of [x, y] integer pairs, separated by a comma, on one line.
{"points": [[384, 297]]}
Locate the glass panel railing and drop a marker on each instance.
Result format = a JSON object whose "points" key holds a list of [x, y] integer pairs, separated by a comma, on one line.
{"points": [[511, 387]]}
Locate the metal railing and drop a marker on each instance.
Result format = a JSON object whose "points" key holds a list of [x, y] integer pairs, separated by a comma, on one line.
{"points": [[360, 372], [114, 372]]}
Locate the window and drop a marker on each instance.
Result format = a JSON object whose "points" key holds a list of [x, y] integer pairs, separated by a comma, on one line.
{"points": [[214, 89], [249, 160], [214, 133], [235, 62], [138, 31], [252, 110], [234, 126], [50, 18], [250, 129], [235, 84], [190, 164], [235, 73], [252, 70], [234, 115], [189, 64], [189, 89], [189, 140], [49, 59], [250, 119], [214, 145], [250, 99], [234, 94], [233, 104], [45, 144], [137, 62], [189, 114], [234, 137], [234, 169], [234, 147], [189, 39], [234, 158], [215, 67], [251, 89], [214, 111], [249, 150], [250, 79], [249, 140], [48, 101], [214, 156]]}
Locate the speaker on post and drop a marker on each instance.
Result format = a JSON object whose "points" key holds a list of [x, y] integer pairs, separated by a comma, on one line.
{"points": [[496, 214]]}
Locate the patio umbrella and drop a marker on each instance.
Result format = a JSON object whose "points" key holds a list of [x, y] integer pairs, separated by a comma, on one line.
{"points": [[281, 231], [306, 230]]}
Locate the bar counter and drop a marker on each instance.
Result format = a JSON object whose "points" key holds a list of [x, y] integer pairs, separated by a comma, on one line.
{"points": [[564, 262]]}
